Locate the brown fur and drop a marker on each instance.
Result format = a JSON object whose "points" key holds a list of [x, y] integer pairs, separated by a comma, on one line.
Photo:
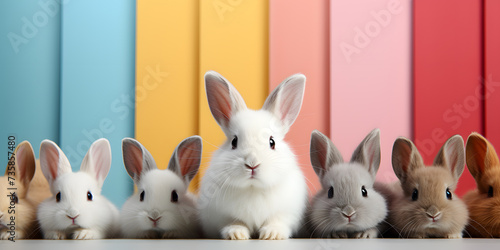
{"points": [[483, 164], [409, 218], [32, 188]]}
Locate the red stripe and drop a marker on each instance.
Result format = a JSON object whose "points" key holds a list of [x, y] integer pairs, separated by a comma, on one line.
{"points": [[447, 72], [492, 71]]}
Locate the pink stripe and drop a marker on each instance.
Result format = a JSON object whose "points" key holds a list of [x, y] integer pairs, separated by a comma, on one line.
{"points": [[370, 74], [299, 44]]}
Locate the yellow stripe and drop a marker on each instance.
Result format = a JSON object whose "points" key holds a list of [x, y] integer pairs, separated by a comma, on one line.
{"points": [[166, 75], [233, 42]]}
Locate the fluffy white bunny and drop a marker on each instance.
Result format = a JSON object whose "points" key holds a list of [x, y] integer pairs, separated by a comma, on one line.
{"points": [[162, 207], [77, 209], [347, 206], [253, 187]]}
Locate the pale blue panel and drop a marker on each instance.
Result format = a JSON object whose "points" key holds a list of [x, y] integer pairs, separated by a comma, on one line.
{"points": [[29, 73], [97, 83]]}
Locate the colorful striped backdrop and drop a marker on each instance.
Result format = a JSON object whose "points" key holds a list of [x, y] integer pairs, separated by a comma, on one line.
{"points": [[76, 70]]}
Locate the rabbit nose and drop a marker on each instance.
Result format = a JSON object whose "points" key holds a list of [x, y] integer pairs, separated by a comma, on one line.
{"points": [[73, 213], [433, 213], [154, 219], [72, 217], [348, 211], [252, 167], [251, 159], [154, 215]]}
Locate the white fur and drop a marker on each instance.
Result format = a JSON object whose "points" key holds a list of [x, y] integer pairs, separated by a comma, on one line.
{"points": [[99, 215], [325, 215], [234, 204], [176, 220], [96, 219], [158, 185]]}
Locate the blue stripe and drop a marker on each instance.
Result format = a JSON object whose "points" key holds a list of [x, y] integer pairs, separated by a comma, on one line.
{"points": [[29, 72], [97, 83]]}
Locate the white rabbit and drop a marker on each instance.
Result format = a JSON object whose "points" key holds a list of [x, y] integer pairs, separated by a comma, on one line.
{"points": [[162, 207], [77, 209], [347, 206], [253, 186]]}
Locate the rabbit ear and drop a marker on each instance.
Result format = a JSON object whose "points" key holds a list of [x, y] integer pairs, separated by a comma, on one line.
{"points": [[405, 158], [452, 156], [136, 158], [25, 163], [480, 155], [186, 159], [368, 152], [323, 153], [286, 99], [97, 161], [53, 162], [223, 99]]}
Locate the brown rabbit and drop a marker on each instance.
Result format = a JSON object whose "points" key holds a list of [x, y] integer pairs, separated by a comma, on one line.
{"points": [[424, 205], [31, 187], [484, 202]]}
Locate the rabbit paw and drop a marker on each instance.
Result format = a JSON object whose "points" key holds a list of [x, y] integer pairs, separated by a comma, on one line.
{"points": [[86, 234], [55, 235], [235, 232], [4, 235], [367, 234], [274, 232], [150, 234], [339, 234], [454, 236], [170, 235], [418, 236]]}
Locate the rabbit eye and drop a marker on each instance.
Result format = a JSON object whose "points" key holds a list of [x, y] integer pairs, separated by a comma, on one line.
{"points": [[490, 192], [234, 142], [448, 194], [58, 197], [90, 197], [175, 197], [14, 198], [271, 142], [414, 195], [330, 192], [364, 192], [142, 196]]}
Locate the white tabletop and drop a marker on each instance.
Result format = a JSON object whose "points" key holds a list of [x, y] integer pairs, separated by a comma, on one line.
{"points": [[291, 244]]}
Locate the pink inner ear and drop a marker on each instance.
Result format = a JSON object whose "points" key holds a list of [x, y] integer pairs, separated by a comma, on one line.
{"points": [[289, 101], [452, 158], [99, 163], [20, 161], [52, 159], [220, 101], [370, 152], [25, 163], [321, 148], [404, 155], [188, 159], [288, 106], [133, 159], [285, 114]]}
